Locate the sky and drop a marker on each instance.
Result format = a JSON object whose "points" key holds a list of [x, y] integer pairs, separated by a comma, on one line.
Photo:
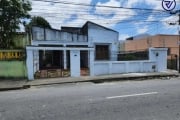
{"points": [[128, 17]]}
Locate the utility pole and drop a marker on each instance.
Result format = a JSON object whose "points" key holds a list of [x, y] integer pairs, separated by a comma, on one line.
{"points": [[177, 12], [179, 39]]}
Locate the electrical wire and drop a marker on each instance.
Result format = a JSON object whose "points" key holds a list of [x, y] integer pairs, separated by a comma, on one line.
{"points": [[103, 6]]}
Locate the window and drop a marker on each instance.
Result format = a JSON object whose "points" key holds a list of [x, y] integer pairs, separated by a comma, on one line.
{"points": [[102, 52]]}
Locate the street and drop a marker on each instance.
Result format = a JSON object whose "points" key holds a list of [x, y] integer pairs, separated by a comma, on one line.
{"points": [[127, 100]]}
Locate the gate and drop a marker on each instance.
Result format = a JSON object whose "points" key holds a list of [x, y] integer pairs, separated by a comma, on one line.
{"points": [[172, 62]]}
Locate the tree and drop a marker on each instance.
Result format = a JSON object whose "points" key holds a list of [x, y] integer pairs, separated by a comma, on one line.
{"points": [[39, 21], [11, 14]]}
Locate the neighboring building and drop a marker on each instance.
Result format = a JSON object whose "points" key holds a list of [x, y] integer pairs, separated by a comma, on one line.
{"points": [[157, 41], [140, 36]]}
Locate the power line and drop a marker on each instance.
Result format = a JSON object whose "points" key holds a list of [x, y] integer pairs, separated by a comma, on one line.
{"points": [[151, 11], [109, 20], [144, 15], [103, 6], [84, 12], [44, 7], [140, 17]]}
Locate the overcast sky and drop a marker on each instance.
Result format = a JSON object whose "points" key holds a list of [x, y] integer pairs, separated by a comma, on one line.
{"points": [[120, 15]]}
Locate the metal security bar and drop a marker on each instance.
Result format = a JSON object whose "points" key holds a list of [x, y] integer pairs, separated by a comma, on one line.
{"points": [[135, 55]]}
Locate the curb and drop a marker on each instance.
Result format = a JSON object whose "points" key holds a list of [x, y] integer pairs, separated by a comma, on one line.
{"points": [[111, 79], [15, 88], [96, 81], [137, 78]]}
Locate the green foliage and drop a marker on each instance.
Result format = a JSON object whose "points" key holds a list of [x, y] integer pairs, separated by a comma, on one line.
{"points": [[38, 21], [11, 14], [130, 57]]}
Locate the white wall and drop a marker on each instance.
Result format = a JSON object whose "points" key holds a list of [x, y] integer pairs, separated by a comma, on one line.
{"points": [[100, 35], [156, 63], [30, 64], [36, 60], [115, 67], [160, 56], [75, 63]]}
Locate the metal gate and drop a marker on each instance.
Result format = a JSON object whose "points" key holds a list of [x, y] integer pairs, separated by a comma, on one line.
{"points": [[172, 62]]}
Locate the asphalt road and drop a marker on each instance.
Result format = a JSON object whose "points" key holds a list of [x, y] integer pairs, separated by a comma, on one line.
{"points": [[128, 100]]}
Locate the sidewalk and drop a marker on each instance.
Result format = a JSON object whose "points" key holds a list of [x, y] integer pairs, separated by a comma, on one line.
{"points": [[23, 84]]}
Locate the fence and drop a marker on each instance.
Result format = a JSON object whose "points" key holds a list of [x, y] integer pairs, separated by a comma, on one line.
{"points": [[157, 62], [12, 55], [172, 62], [12, 64], [113, 67], [13, 69], [135, 55]]}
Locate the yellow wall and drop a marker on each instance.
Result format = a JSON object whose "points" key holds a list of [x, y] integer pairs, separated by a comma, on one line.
{"points": [[11, 54]]}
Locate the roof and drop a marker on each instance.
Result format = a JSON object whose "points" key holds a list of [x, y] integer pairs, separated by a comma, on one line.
{"points": [[165, 35], [79, 30], [150, 36], [137, 37], [86, 24]]}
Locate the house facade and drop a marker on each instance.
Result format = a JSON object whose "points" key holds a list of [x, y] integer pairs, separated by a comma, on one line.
{"points": [[89, 50], [59, 53]]}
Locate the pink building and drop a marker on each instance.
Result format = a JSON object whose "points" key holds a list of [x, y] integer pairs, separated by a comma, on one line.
{"points": [[157, 41]]}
